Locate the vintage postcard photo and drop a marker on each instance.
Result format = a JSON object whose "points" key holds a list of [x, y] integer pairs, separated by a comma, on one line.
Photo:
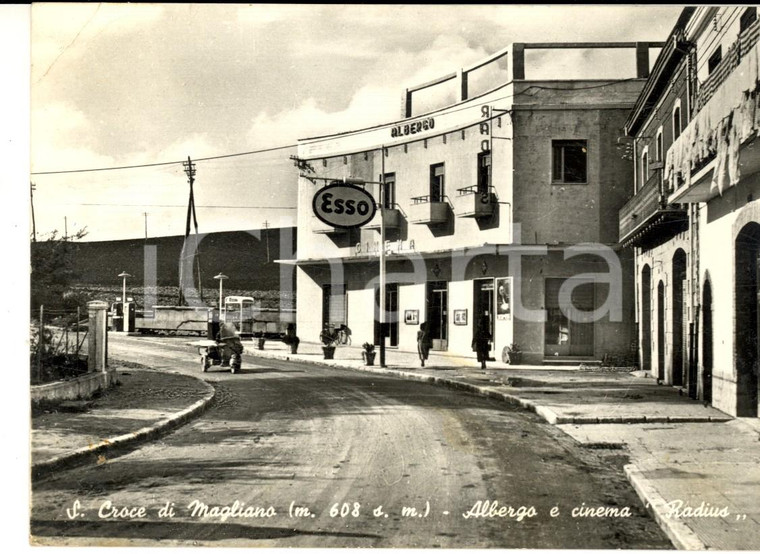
{"points": [[394, 276]]}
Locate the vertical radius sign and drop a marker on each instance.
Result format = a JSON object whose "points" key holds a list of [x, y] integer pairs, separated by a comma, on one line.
{"points": [[343, 205]]}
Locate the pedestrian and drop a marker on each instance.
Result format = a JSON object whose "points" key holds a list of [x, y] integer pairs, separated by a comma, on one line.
{"points": [[423, 343], [481, 340]]}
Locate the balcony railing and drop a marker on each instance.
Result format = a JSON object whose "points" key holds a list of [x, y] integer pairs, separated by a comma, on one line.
{"points": [[734, 55], [429, 210], [391, 216], [475, 201], [710, 153], [647, 217]]}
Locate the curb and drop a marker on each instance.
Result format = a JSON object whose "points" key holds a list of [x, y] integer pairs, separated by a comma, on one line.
{"points": [[549, 415], [92, 453], [679, 533]]}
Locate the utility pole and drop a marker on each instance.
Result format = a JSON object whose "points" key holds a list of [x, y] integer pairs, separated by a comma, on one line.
{"points": [[190, 171], [65, 228], [145, 214], [32, 188], [266, 234]]}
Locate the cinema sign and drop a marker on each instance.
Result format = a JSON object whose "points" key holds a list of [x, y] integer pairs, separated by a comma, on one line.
{"points": [[343, 205]]}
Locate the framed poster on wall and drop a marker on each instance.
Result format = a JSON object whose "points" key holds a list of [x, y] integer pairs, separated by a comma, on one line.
{"points": [[504, 298], [460, 317], [412, 317]]}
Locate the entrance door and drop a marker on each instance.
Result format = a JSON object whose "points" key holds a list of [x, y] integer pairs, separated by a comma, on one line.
{"points": [[646, 319], [747, 294], [661, 330], [483, 303], [437, 313], [333, 305], [707, 342], [391, 313], [678, 319], [563, 336]]}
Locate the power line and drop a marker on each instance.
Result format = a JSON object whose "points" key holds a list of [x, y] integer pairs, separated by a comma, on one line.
{"points": [[137, 166], [181, 206], [319, 139]]}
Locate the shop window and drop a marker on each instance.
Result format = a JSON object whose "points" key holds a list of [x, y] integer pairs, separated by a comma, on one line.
{"points": [[747, 19], [569, 161], [714, 60], [389, 191], [437, 183], [484, 171]]}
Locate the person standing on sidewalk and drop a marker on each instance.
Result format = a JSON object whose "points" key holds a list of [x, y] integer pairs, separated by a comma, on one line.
{"points": [[423, 343], [481, 340]]}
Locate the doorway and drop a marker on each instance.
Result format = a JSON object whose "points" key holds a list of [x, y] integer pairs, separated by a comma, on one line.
{"points": [[483, 303], [391, 313], [747, 259], [661, 330], [646, 318], [562, 335], [707, 343], [437, 309], [679, 280]]}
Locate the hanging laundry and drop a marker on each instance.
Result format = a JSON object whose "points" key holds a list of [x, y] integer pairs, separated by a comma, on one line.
{"points": [[734, 143]]}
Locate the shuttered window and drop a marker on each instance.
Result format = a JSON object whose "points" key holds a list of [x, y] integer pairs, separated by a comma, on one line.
{"points": [[334, 305]]}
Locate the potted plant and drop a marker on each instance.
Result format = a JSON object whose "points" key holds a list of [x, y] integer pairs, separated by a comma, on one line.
{"points": [[260, 340], [368, 354], [512, 354], [291, 339], [329, 340]]}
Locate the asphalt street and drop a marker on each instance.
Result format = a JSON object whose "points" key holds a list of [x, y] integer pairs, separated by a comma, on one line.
{"points": [[297, 455]]}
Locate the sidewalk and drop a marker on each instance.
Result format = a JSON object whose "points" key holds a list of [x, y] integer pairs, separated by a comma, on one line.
{"points": [[144, 404], [696, 468]]}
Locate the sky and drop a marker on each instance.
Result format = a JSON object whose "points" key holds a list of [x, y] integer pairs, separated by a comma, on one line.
{"points": [[130, 84]]}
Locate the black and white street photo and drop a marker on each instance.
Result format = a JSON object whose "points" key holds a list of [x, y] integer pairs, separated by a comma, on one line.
{"points": [[391, 276]]}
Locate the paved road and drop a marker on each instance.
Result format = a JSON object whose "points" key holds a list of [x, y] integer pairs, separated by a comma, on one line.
{"points": [[283, 438]]}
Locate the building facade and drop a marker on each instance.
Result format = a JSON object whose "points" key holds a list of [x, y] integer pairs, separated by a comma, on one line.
{"points": [[694, 221], [501, 207]]}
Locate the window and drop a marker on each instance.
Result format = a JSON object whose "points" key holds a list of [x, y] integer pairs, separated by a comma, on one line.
{"points": [[389, 191], [714, 60], [644, 167], [484, 171], [437, 181], [659, 145], [569, 161], [747, 19], [676, 122]]}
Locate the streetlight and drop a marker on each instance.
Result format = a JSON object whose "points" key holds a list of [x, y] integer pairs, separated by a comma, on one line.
{"points": [[221, 278], [125, 313]]}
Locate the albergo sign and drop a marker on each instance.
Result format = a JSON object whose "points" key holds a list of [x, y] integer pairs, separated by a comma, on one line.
{"points": [[344, 206]]}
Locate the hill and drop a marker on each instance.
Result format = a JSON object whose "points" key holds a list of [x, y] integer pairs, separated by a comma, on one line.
{"points": [[241, 255]]}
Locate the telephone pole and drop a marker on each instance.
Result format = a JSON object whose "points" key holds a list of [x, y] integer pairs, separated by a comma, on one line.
{"points": [[145, 214], [65, 228], [32, 188], [266, 234], [190, 171]]}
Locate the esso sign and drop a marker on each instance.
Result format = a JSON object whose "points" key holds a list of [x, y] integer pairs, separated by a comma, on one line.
{"points": [[343, 205]]}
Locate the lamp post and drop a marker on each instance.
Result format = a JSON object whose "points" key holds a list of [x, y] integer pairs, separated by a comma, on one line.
{"points": [[124, 311], [221, 277]]}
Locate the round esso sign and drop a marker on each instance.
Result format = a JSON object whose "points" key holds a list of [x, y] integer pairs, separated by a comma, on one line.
{"points": [[343, 205]]}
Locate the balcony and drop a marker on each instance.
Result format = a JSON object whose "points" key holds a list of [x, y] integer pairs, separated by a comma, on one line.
{"points": [[321, 228], [391, 217], [474, 202], [426, 211], [647, 218], [718, 147]]}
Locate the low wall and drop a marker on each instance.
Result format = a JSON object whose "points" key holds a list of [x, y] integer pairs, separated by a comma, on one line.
{"points": [[79, 388]]}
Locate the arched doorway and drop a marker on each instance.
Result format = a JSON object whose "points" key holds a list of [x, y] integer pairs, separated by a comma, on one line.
{"points": [[661, 330], [677, 321], [747, 252], [646, 318], [707, 342]]}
